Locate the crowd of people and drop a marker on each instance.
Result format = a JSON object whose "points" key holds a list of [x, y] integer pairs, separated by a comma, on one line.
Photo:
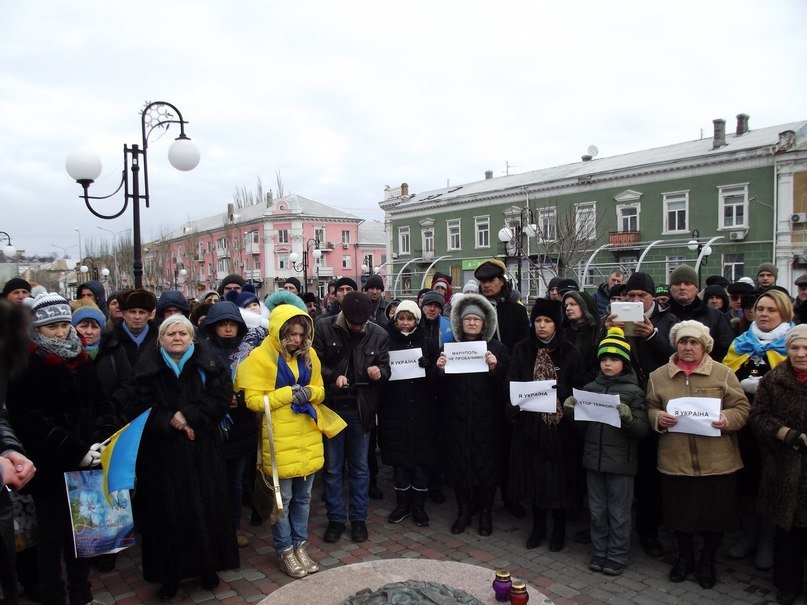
{"points": [[280, 389]]}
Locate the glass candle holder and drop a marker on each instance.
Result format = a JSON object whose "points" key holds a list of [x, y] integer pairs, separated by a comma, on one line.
{"points": [[501, 585]]}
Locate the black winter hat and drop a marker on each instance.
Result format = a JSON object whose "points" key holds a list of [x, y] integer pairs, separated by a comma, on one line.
{"points": [[15, 283], [553, 309], [739, 288], [232, 278], [357, 307], [344, 281], [433, 297], [717, 280], [139, 299], [374, 281], [566, 284], [309, 297], [294, 282], [641, 281]]}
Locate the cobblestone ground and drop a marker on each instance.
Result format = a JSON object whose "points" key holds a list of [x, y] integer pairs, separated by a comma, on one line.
{"points": [[564, 576]]}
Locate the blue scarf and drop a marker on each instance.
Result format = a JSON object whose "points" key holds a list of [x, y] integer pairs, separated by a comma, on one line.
{"points": [[285, 378], [177, 367], [138, 340], [747, 343]]}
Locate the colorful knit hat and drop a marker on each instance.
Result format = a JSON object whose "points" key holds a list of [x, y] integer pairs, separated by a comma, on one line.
{"points": [[614, 345], [49, 309]]}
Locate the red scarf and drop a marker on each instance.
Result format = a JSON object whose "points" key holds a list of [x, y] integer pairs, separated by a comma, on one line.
{"points": [[801, 375], [688, 366]]}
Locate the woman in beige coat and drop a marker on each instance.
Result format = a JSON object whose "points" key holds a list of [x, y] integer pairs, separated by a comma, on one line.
{"points": [[699, 488]]}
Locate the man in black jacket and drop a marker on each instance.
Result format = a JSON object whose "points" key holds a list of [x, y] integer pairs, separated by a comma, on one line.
{"points": [[685, 305], [650, 349], [137, 332], [374, 286], [354, 354]]}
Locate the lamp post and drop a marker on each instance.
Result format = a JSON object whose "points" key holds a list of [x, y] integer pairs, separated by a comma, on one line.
{"points": [[115, 249], [9, 251], [85, 167], [702, 251], [302, 265], [179, 272], [516, 238], [87, 266]]}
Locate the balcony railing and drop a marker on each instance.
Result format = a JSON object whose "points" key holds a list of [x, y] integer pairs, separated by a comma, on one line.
{"points": [[222, 253], [252, 248], [324, 271], [624, 238]]}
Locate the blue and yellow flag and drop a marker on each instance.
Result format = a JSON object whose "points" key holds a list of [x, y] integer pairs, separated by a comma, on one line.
{"points": [[119, 457]]}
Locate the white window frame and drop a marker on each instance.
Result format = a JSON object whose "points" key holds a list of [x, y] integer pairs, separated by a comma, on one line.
{"points": [[345, 236], [346, 261], [283, 261], [319, 235], [427, 240], [620, 216], [586, 281], [404, 240], [580, 211], [671, 197], [671, 262], [454, 223], [736, 267], [221, 264], [482, 231], [548, 223], [256, 261], [725, 192], [282, 236]]}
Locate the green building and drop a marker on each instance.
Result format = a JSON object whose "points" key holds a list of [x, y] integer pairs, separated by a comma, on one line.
{"points": [[724, 203]]}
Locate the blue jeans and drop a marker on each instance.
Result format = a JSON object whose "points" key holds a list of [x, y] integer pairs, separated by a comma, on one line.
{"points": [[609, 501], [351, 445], [292, 529], [235, 485]]}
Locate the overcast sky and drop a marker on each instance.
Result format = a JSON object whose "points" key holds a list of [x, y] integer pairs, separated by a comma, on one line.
{"points": [[344, 98]]}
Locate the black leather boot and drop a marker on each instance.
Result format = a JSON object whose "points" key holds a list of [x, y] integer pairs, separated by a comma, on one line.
{"points": [[463, 511], [538, 527], [558, 538], [404, 508], [419, 507], [486, 510]]}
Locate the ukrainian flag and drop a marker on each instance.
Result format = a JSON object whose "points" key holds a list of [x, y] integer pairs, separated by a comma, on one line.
{"points": [[119, 457]]}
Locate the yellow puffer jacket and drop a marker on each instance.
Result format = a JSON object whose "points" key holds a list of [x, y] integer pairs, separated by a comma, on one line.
{"points": [[298, 440]]}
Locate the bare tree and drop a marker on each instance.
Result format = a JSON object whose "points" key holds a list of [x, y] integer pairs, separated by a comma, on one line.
{"points": [[243, 197], [281, 190]]}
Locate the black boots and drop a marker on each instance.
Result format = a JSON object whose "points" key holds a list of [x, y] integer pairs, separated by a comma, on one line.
{"points": [[685, 563], [486, 495], [558, 538], [419, 507], [538, 527], [404, 508], [463, 511]]}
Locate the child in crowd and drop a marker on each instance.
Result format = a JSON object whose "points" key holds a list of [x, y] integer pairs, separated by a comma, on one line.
{"points": [[610, 454]]}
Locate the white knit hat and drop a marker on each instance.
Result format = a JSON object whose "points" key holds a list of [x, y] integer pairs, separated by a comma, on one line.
{"points": [[692, 329], [410, 307], [50, 309]]}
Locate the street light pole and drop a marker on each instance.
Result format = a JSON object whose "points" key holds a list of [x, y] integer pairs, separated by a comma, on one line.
{"points": [[9, 251], [514, 238], [85, 168], [303, 266]]}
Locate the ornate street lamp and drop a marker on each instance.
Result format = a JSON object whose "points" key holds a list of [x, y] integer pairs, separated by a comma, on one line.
{"points": [[88, 266], [183, 273], [302, 264], [85, 167], [703, 252], [9, 251], [515, 239]]}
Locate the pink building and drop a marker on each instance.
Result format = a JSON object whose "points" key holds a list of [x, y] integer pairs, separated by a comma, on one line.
{"points": [[266, 243]]}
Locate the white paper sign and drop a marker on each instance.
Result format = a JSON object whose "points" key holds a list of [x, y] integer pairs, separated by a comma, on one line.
{"points": [[466, 357], [404, 364], [535, 396], [597, 407], [695, 415]]}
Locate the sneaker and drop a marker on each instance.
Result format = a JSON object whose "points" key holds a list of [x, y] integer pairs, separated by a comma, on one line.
{"points": [[358, 531], [612, 568], [290, 565], [301, 552], [597, 563], [333, 532], [242, 540]]}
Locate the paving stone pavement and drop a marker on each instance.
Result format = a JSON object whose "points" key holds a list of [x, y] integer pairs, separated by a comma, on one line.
{"points": [[564, 576]]}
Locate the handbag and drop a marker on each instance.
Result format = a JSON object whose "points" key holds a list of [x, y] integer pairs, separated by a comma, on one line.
{"points": [[266, 498]]}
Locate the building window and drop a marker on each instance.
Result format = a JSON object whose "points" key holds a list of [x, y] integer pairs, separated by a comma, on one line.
{"points": [[256, 260], [283, 261], [673, 262], [404, 243], [346, 261], [733, 206], [345, 236], [548, 223], [427, 240], [221, 243], [482, 228], [676, 212], [589, 278], [585, 216], [319, 235], [201, 250], [628, 217], [283, 236], [222, 265], [733, 266], [453, 231]]}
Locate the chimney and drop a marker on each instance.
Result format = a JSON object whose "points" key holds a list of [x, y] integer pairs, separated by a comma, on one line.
{"points": [[720, 133], [230, 210], [742, 123], [488, 174], [404, 189]]}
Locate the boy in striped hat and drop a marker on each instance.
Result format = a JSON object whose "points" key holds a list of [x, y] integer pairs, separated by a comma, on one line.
{"points": [[610, 454]]}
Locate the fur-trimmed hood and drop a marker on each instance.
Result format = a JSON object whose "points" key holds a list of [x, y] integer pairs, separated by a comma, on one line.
{"points": [[481, 302]]}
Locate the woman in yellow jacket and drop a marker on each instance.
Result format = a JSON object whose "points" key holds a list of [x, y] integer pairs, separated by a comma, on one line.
{"points": [[286, 370]]}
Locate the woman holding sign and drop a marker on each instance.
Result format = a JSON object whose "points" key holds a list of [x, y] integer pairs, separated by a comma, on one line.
{"points": [[545, 452], [697, 406], [473, 408]]}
